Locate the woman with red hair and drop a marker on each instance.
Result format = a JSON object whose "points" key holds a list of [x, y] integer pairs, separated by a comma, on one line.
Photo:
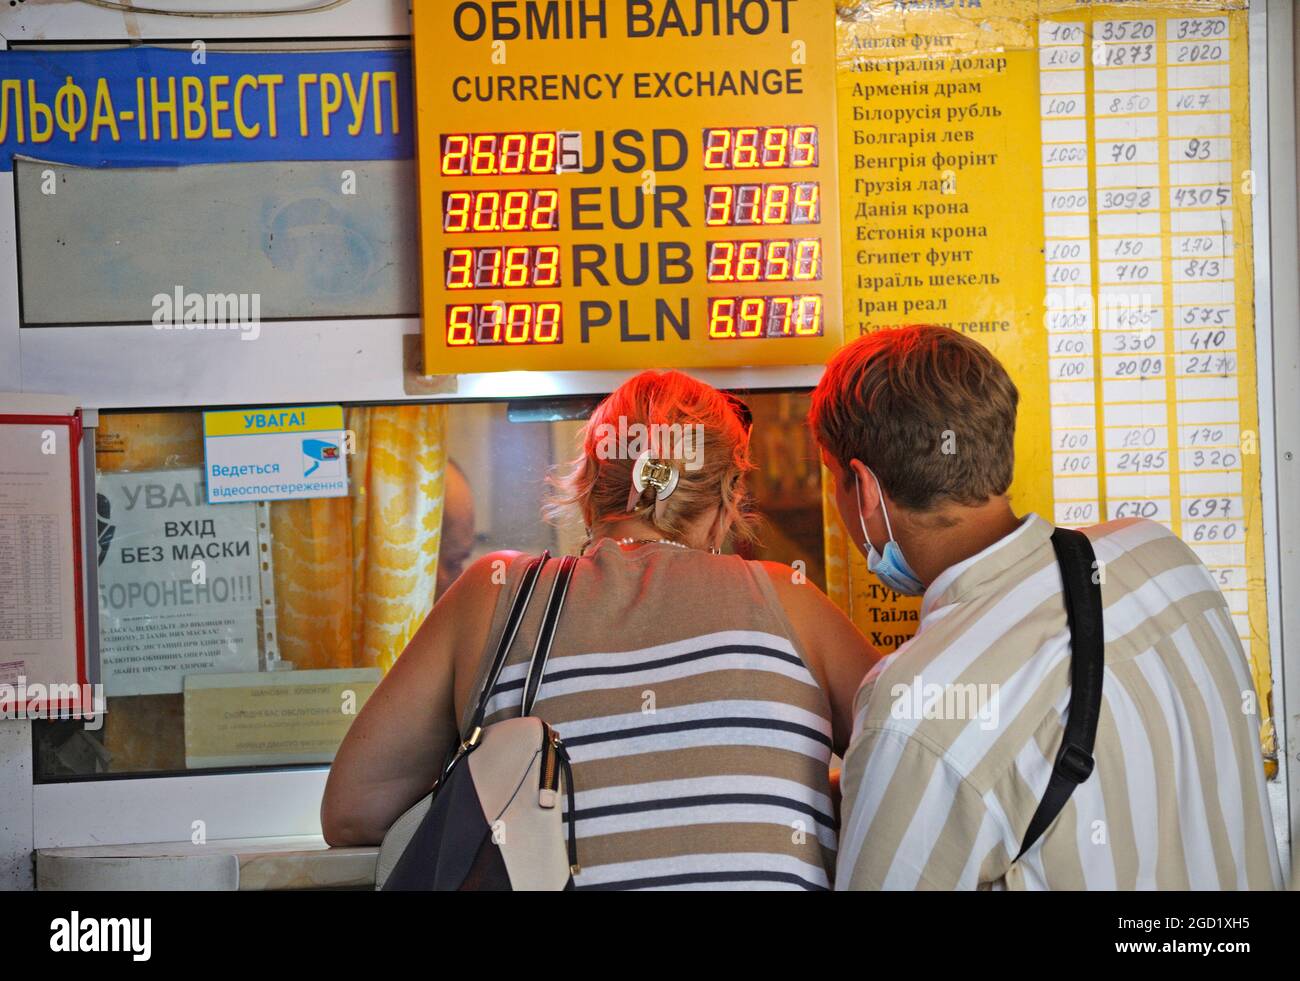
{"points": [[700, 695]]}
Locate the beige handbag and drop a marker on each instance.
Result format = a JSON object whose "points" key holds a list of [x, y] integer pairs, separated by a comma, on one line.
{"points": [[495, 818]]}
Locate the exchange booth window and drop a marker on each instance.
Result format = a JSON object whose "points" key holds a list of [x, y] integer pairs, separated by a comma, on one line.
{"points": [[249, 634]]}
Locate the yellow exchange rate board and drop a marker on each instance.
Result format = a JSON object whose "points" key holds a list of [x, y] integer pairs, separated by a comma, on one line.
{"points": [[609, 185], [1070, 183]]}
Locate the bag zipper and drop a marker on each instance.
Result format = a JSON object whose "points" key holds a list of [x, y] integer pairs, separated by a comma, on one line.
{"points": [[550, 782], [555, 761]]}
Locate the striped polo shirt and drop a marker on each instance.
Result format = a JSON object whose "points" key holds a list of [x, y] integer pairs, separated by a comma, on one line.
{"points": [[700, 741], [956, 732]]}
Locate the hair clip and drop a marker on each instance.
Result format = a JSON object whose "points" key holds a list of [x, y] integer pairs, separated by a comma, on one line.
{"points": [[648, 472]]}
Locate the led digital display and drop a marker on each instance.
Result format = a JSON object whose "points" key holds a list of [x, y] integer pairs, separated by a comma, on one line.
{"points": [[475, 154], [735, 317], [762, 204], [479, 324], [513, 210], [632, 189], [503, 267], [777, 260], [760, 147]]}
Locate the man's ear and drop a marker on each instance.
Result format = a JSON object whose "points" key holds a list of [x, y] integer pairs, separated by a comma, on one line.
{"points": [[867, 489]]}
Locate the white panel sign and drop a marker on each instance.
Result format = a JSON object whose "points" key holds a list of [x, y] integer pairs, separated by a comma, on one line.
{"points": [[180, 584]]}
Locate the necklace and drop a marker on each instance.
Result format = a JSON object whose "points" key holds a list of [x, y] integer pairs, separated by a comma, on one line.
{"points": [[650, 541]]}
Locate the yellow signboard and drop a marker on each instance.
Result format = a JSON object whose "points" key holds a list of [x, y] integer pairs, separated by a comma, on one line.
{"points": [[627, 185], [1071, 184]]}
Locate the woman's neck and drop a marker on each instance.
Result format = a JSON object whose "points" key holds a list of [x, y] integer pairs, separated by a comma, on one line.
{"points": [[637, 529]]}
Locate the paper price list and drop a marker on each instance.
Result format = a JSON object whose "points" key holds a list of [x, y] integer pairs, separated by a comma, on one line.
{"points": [[1141, 295], [29, 578]]}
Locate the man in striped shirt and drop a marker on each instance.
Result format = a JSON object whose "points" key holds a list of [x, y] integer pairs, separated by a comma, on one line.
{"points": [[956, 733]]}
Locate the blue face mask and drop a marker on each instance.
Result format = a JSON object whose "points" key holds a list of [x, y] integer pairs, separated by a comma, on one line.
{"points": [[890, 568]]}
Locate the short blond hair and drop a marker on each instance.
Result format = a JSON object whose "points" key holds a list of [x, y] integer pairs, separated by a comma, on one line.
{"points": [[595, 485]]}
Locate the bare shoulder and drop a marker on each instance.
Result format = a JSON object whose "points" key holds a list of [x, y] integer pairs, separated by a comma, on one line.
{"points": [[462, 617], [821, 625], [796, 593], [487, 570], [472, 598], [835, 651]]}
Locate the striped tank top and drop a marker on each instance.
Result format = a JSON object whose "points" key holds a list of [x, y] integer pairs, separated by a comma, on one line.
{"points": [[700, 740]]}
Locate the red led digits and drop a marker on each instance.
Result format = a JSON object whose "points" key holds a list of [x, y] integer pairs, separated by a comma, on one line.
{"points": [[760, 147], [807, 259], [455, 154], [776, 147], [752, 316], [493, 154], [460, 326], [720, 261], [776, 205], [718, 199], [514, 153], [541, 153], [519, 323], [748, 265], [546, 209], [744, 155], [513, 210], [507, 267], [487, 267], [546, 265], [765, 261], [460, 265], [717, 149], [513, 324], [546, 324], [739, 317], [797, 203], [777, 267], [518, 266], [803, 146], [455, 211], [807, 206]]}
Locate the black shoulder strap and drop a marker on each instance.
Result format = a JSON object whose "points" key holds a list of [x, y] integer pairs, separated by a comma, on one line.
{"points": [[1074, 762], [511, 627], [546, 635]]}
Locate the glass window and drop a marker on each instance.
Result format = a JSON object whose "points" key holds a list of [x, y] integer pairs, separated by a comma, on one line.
{"points": [[248, 634], [316, 251]]}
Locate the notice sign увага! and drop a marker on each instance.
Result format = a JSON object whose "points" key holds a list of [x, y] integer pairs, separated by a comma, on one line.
{"points": [[275, 454]]}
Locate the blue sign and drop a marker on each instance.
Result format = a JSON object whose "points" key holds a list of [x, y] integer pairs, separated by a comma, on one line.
{"points": [[148, 106]]}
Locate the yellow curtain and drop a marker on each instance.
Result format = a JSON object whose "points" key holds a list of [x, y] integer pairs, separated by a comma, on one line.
{"points": [[399, 470], [354, 577], [311, 552]]}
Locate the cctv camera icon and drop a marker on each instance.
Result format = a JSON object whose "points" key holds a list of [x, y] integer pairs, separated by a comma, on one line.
{"points": [[318, 451]]}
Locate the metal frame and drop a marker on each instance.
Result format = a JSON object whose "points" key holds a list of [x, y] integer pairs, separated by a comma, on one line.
{"points": [[1277, 271]]}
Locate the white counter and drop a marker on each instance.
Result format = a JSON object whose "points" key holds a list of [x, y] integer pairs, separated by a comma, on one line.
{"points": [[234, 864]]}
